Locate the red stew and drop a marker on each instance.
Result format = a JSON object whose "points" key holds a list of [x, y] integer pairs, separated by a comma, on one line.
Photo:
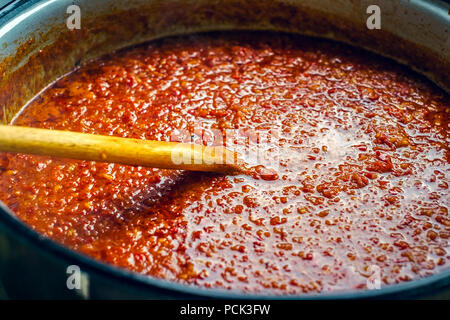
{"points": [[362, 186]]}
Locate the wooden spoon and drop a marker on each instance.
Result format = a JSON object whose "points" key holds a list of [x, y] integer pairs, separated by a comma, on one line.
{"points": [[135, 152]]}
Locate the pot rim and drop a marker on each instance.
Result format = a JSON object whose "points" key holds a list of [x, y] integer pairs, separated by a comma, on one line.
{"points": [[16, 228]]}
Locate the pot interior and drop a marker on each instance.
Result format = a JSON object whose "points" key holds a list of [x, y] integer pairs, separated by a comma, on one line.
{"points": [[38, 48]]}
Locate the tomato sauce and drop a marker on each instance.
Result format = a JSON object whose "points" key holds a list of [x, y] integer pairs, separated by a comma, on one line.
{"points": [[361, 190]]}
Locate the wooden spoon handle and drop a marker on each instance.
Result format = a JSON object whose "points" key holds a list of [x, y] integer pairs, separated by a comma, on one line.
{"points": [[136, 152]]}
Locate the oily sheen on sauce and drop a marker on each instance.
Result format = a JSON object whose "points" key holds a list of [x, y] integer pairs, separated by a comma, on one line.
{"points": [[361, 186]]}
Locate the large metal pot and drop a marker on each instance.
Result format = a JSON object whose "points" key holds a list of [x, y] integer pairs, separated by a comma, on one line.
{"points": [[36, 47]]}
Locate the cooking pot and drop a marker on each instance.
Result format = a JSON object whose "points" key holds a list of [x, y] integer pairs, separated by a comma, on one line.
{"points": [[37, 47]]}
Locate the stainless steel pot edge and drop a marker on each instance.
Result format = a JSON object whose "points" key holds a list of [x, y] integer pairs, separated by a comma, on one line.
{"points": [[11, 225]]}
